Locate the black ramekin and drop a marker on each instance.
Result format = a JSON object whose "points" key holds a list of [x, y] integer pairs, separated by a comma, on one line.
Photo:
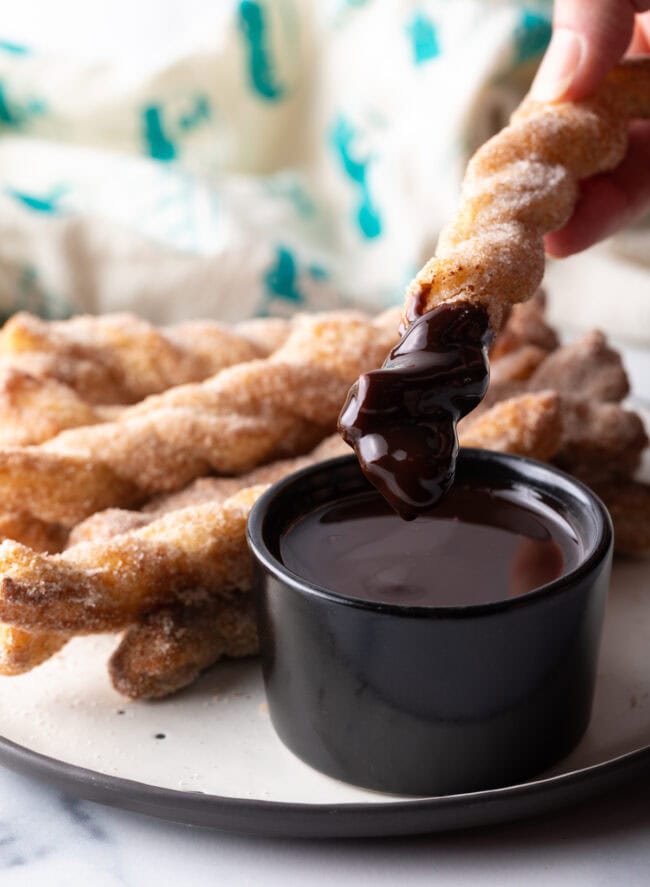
{"points": [[430, 700]]}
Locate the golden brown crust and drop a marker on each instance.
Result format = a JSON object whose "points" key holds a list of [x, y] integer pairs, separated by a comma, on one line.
{"points": [[21, 526], [528, 425], [522, 184], [245, 415], [188, 554], [21, 651], [120, 358], [169, 648], [34, 408]]}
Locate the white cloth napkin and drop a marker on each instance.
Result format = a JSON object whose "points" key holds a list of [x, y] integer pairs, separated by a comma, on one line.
{"points": [[294, 154]]}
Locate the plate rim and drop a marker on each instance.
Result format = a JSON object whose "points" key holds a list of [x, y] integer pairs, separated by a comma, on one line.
{"points": [[259, 817]]}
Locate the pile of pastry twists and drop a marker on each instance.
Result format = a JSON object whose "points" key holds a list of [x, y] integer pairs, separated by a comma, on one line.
{"points": [[130, 456], [166, 564]]}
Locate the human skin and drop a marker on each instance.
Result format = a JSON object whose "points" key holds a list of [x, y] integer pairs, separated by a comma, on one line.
{"points": [[589, 38]]}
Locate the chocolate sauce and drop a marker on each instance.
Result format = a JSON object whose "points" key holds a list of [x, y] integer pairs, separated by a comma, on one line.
{"points": [[478, 546], [401, 419]]}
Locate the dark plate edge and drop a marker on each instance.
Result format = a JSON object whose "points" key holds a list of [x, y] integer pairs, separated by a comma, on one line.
{"points": [[287, 819]]}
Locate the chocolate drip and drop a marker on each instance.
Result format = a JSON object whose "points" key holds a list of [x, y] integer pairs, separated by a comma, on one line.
{"points": [[401, 419]]}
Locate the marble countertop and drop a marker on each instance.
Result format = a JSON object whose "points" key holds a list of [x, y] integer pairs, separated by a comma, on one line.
{"points": [[48, 838]]}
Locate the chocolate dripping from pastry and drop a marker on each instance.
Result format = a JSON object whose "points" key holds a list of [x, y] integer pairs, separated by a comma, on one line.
{"points": [[401, 419]]}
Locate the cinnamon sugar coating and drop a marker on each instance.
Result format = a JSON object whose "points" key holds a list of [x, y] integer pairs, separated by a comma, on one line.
{"points": [[528, 425], [243, 416], [170, 647], [120, 358], [175, 573], [21, 651], [188, 555], [522, 184]]}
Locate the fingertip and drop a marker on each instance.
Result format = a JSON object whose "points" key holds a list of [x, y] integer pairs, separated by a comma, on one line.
{"points": [[588, 39]]}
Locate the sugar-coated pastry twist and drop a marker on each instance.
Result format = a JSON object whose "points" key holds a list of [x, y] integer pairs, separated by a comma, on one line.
{"points": [[114, 521], [187, 555], [21, 651], [528, 425], [34, 408], [170, 647], [243, 416], [192, 553], [522, 184], [121, 358]]}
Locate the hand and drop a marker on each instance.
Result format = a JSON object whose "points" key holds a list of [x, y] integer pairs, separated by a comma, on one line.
{"points": [[589, 38]]}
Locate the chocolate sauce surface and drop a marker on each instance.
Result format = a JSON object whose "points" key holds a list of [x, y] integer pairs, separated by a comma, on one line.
{"points": [[477, 546], [401, 419]]}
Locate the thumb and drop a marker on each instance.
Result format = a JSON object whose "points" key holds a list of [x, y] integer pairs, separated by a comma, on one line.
{"points": [[589, 38]]}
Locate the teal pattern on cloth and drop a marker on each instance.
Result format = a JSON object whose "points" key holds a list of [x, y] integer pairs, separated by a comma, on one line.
{"points": [[199, 113], [424, 38], [356, 168], [161, 134], [282, 277], [277, 156], [33, 297], [158, 143], [253, 26], [17, 114], [532, 34], [49, 204], [14, 48]]}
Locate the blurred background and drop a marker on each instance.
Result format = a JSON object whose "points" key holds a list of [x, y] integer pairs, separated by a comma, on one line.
{"points": [[247, 157]]}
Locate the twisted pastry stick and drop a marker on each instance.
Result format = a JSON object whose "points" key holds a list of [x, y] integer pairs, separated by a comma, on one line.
{"points": [[188, 555], [34, 408], [587, 368], [21, 650], [115, 521], [170, 647], [120, 358], [528, 425], [522, 184], [193, 557], [192, 554], [243, 416], [115, 357]]}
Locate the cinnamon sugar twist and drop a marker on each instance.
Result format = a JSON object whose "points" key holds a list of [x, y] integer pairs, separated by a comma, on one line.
{"points": [[243, 416], [170, 647], [22, 650], [188, 555], [121, 358], [522, 184]]}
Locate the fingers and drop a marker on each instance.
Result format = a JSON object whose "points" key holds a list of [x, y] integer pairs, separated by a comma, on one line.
{"points": [[588, 39], [609, 201], [640, 44]]}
